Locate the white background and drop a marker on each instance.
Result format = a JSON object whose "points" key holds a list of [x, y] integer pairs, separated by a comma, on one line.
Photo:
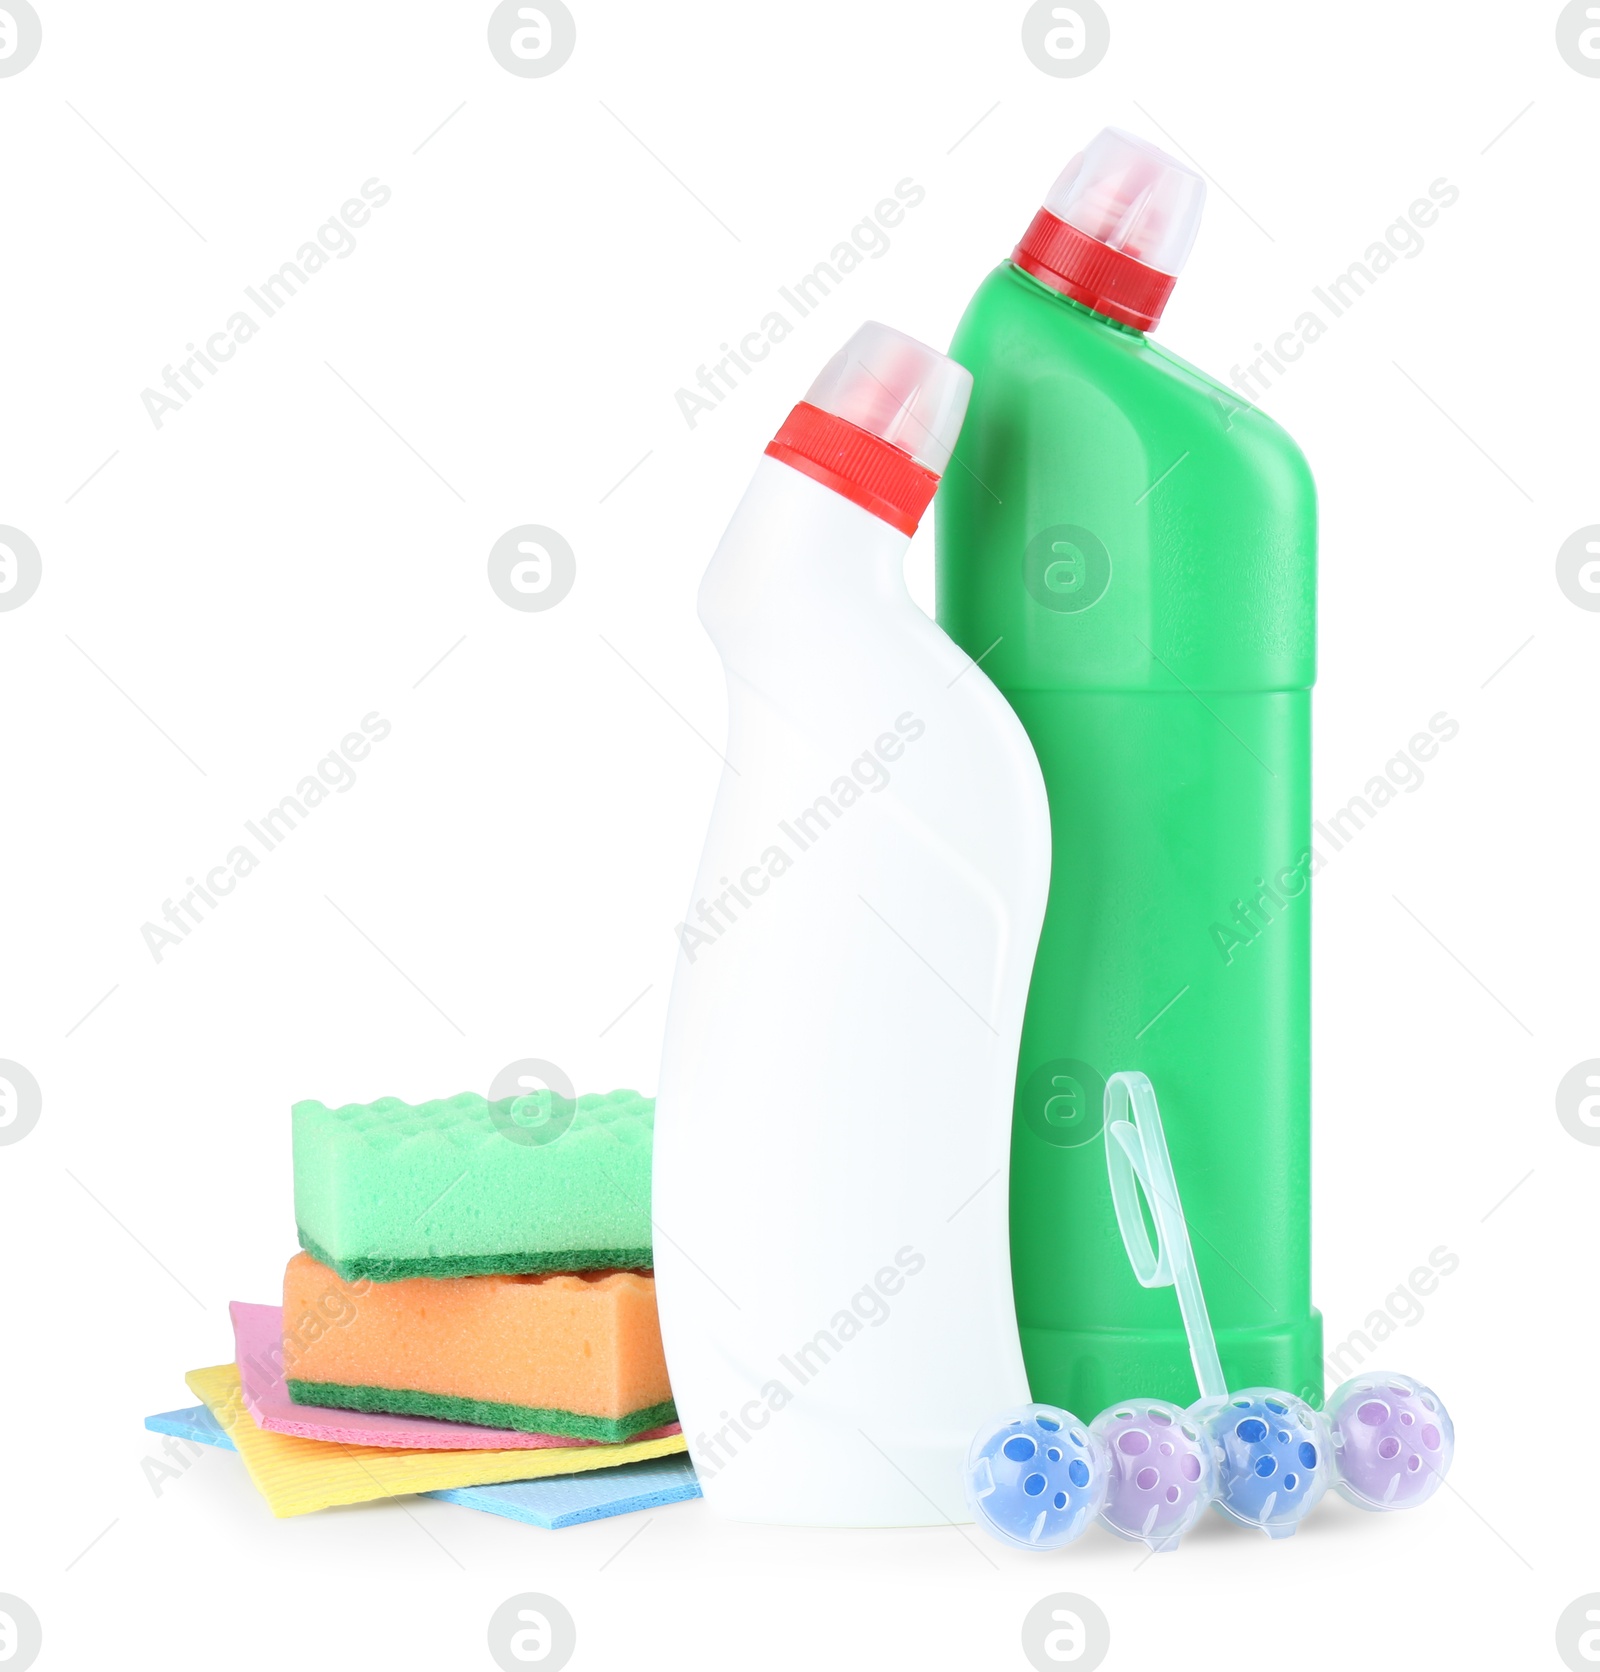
{"points": [[231, 593]]}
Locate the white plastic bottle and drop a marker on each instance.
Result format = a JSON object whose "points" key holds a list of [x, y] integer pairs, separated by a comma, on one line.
{"points": [[833, 1123]]}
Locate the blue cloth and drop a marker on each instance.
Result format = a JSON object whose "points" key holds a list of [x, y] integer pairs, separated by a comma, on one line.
{"points": [[567, 1500], [194, 1423], [556, 1501]]}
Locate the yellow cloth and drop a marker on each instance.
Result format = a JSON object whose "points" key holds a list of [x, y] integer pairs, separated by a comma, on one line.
{"points": [[296, 1476]]}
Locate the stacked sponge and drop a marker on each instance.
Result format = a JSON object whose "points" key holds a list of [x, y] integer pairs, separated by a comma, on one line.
{"points": [[485, 1261], [463, 1185]]}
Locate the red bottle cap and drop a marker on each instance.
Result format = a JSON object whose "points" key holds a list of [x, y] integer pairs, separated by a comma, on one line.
{"points": [[1102, 278], [879, 424], [840, 455], [1116, 229]]}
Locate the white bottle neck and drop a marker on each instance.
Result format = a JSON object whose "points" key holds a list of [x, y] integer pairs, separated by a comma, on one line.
{"points": [[796, 557]]}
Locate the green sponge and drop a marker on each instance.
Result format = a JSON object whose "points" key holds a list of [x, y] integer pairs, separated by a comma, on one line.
{"points": [[486, 1413], [462, 1186]]}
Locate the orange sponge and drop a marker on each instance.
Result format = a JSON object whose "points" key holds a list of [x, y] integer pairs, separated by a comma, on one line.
{"points": [[572, 1354]]}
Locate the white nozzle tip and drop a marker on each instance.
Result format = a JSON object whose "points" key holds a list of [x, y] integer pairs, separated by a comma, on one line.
{"points": [[899, 390], [1130, 195]]}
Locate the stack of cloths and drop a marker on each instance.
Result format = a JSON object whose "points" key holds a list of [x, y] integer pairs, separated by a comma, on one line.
{"points": [[474, 1306]]}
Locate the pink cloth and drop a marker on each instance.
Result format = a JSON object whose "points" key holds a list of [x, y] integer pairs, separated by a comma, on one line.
{"points": [[258, 1350]]}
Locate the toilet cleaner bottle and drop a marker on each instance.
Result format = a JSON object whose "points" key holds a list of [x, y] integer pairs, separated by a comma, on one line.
{"points": [[833, 1121], [1131, 549]]}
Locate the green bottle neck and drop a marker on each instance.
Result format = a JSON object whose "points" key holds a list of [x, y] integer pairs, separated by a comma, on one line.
{"points": [[1027, 278]]}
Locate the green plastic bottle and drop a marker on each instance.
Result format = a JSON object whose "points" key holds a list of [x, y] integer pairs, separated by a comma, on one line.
{"points": [[1130, 551]]}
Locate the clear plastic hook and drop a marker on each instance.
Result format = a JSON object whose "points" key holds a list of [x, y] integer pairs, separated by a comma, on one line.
{"points": [[1137, 1158]]}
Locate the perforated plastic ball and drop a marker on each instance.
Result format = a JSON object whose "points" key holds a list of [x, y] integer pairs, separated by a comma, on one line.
{"points": [[1162, 1473], [1273, 1457], [1393, 1440], [1035, 1477]]}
